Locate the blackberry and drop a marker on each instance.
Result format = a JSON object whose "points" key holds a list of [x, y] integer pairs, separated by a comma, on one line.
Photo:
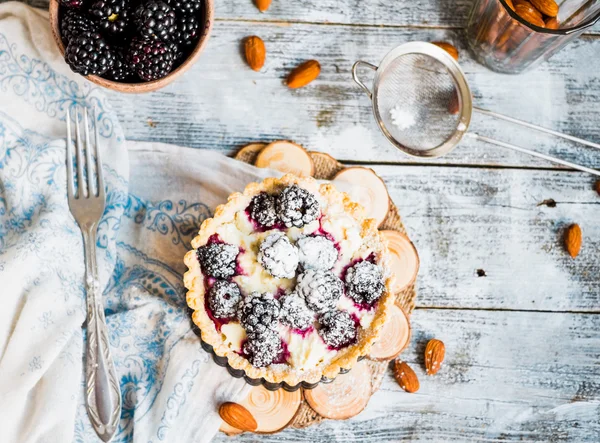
{"points": [[151, 59], [111, 15], [320, 289], [259, 313], [262, 210], [186, 30], [224, 298], [317, 252], [218, 259], [295, 313], [263, 349], [89, 54], [155, 19], [278, 256], [122, 71], [176, 51], [338, 329], [296, 206], [185, 7], [364, 282], [74, 23]]}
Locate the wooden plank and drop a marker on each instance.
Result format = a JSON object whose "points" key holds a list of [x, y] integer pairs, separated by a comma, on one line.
{"points": [[394, 13], [445, 13], [508, 376], [222, 104], [487, 241]]}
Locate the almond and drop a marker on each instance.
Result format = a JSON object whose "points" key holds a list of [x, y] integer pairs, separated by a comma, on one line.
{"points": [[597, 187], [529, 7], [573, 240], [434, 356], [546, 7], [406, 377], [454, 104], [529, 14], [552, 23], [256, 52], [449, 48], [304, 74], [237, 416], [262, 5]]}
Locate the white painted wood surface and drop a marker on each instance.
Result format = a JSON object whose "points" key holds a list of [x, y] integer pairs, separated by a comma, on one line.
{"points": [[222, 104], [508, 376], [523, 341]]}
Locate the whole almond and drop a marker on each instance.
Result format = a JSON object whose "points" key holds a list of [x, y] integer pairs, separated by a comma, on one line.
{"points": [[597, 187], [256, 52], [434, 356], [454, 104], [449, 48], [546, 7], [529, 7], [406, 377], [573, 240], [262, 5], [304, 74], [527, 13], [237, 416], [552, 23]]}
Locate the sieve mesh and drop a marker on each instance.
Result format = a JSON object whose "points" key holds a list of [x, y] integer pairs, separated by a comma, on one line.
{"points": [[417, 101]]}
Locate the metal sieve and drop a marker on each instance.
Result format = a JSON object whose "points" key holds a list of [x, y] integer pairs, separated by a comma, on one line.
{"points": [[423, 105]]}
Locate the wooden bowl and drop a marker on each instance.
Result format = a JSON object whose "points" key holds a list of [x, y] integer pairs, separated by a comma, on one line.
{"points": [[136, 88]]}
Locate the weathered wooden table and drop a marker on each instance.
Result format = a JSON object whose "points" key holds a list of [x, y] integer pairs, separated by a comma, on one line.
{"points": [[520, 318]]}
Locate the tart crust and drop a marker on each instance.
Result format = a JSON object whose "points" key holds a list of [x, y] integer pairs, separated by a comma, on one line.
{"points": [[276, 373]]}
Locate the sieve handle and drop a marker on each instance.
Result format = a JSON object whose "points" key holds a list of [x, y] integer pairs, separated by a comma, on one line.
{"points": [[357, 80], [536, 127], [534, 154]]}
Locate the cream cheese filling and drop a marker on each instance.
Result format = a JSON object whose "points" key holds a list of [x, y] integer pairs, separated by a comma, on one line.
{"points": [[306, 351]]}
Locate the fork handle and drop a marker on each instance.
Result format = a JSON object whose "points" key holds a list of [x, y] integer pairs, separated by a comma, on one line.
{"points": [[103, 395]]}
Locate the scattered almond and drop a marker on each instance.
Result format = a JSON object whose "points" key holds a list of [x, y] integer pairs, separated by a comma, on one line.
{"points": [[449, 48], [256, 53], [529, 14], [434, 356], [573, 240], [597, 187], [454, 104], [406, 377], [237, 416], [546, 7], [262, 5], [552, 23], [303, 74]]}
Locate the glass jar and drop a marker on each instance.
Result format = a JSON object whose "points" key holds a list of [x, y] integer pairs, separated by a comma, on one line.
{"points": [[505, 42]]}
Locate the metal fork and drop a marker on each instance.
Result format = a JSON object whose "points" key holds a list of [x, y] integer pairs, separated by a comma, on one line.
{"points": [[103, 396]]}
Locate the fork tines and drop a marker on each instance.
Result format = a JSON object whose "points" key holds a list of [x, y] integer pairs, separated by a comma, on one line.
{"points": [[95, 180]]}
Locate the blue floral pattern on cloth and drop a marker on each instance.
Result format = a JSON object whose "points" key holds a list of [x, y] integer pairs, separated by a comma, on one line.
{"points": [[34, 82], [144, 297]]}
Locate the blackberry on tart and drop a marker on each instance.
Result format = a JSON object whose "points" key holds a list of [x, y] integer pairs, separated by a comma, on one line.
{"points": [[312, 274]]}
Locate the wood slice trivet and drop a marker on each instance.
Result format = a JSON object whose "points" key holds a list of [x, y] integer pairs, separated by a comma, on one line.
{"points": [[371, 370]]}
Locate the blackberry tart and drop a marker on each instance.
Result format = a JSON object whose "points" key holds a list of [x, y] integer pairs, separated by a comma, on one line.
{"points": [[289, 281]]}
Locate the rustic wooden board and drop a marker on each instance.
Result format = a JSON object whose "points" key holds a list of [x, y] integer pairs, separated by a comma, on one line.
{"points": [[222, 104], [465, 220], [515, 370], [394, 13], [508, 376]]}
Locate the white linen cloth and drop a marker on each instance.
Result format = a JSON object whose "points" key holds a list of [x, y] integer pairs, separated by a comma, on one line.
{"points": [[157, 197]]}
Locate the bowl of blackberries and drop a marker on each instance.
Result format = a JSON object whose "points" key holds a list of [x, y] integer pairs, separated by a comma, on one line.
{"points": [[131, 45]]}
